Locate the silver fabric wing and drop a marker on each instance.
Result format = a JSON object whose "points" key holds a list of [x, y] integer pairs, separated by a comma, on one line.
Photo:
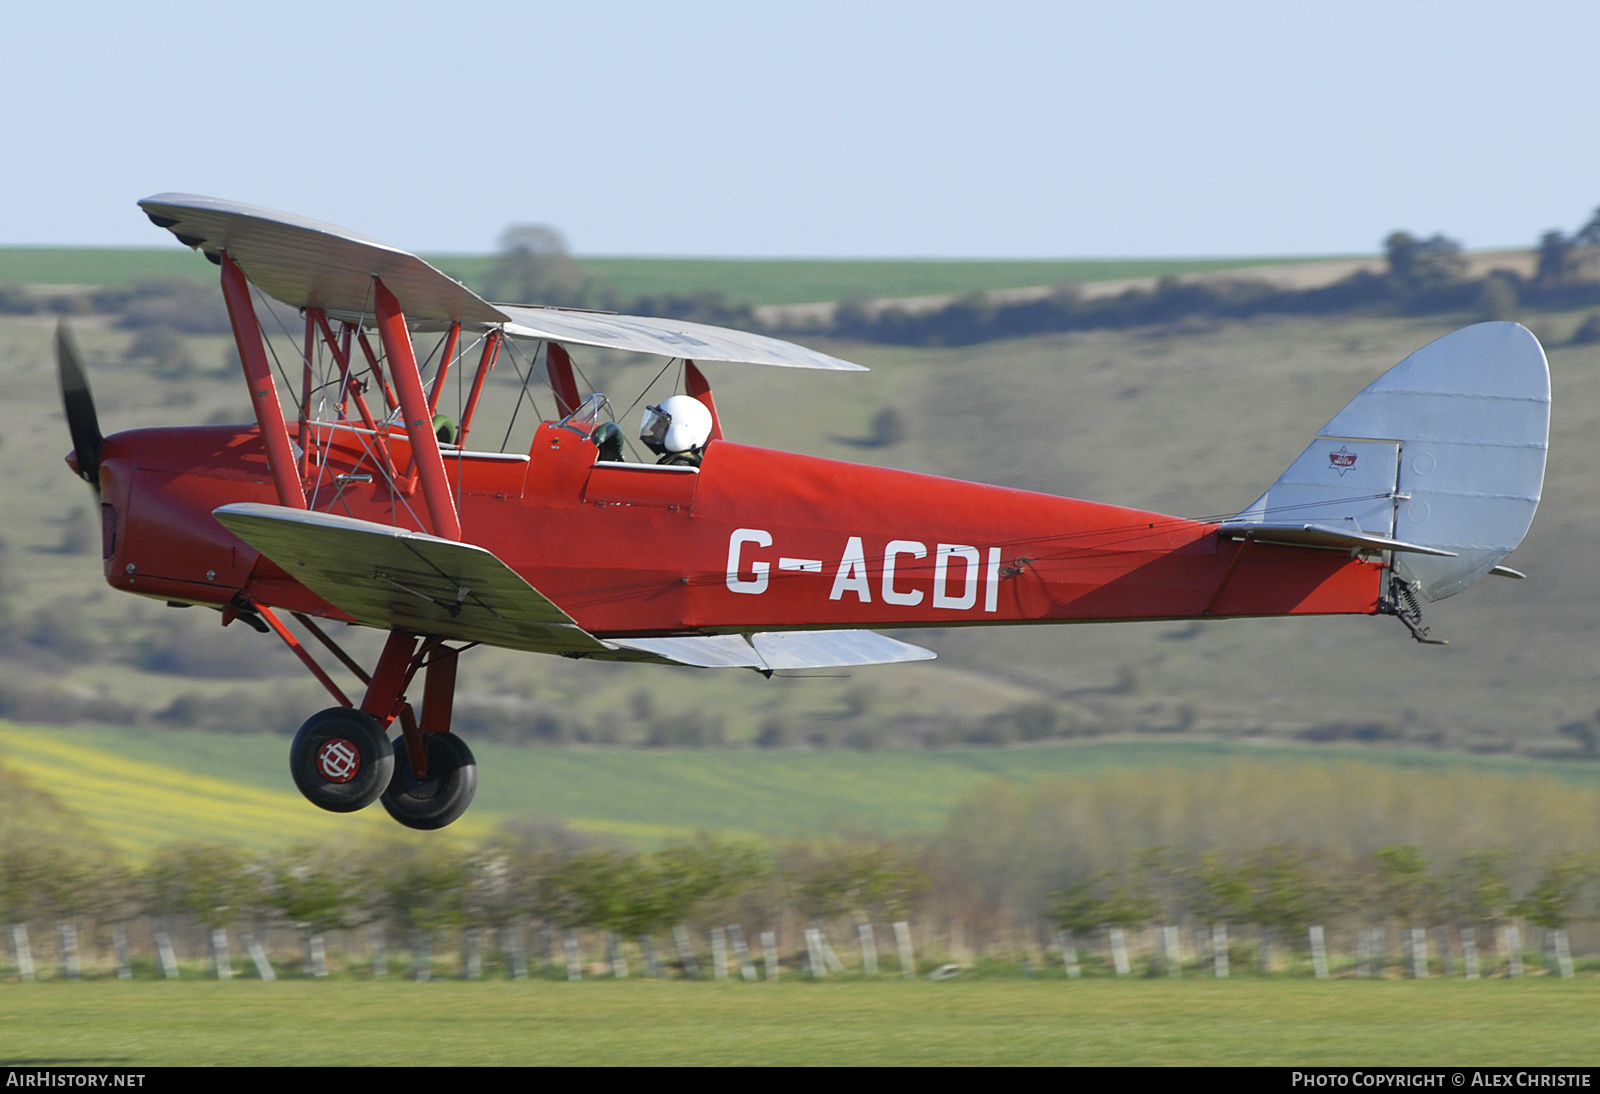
{"points": [[393, 578], [306, 263], [664, 337], [771, 651]]}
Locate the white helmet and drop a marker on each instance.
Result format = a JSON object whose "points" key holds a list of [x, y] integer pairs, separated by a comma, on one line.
{"points": [[681, 423]]}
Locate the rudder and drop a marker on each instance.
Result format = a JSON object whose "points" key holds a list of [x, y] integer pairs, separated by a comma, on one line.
{"points": [[1444, 452]]}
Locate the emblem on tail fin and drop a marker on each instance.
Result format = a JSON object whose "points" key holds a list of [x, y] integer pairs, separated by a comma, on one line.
{"points": [[1342, 460]]}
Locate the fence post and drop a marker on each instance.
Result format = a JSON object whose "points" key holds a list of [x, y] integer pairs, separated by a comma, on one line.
{"points": [[317, 952], [169, 962], [1069, 953], [741, 952], [869, 949], [1513, 946], [814, 965], [67, 944], [219, 953], [1441, 941], [1563, 950], [569, 944], [1119, 951], [902, 939], [769, 953], [680, 939], [511, 946], [119, 946], [618, 959], [422, 955], [19, 942], [258, 956], [719, 953]]}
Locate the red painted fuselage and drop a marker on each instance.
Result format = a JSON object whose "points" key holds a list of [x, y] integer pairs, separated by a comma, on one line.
{"points": [[752, 540]]}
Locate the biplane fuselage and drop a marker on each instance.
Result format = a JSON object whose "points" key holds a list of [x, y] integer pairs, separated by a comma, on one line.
{"points": [[752, 540], [359, 507]]}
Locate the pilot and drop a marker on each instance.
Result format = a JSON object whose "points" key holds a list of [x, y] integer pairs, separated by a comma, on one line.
{"points": [[677, 430], [607, 437], [444, 429]]}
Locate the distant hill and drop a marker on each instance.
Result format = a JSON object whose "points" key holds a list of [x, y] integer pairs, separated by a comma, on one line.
{"points": [[757, 280]]}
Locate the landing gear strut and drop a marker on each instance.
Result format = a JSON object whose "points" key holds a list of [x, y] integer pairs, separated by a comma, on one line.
{"points": [[343, 760]]}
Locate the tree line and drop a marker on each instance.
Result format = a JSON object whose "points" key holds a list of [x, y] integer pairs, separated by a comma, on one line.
{"points": [[1422, 276], [665, 906]]}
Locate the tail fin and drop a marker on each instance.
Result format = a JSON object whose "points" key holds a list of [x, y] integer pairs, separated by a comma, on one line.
{"points": [[1440, 460]]}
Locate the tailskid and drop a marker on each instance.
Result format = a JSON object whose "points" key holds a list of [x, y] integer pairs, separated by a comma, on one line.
{"points": [[1401, 602]]}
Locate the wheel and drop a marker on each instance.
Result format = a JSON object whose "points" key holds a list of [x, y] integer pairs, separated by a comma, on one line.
{"points": [[341, 760], [447, 791]]}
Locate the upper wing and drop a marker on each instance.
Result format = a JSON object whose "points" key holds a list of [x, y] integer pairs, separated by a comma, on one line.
{"points": [[666, 337], [306, 263], [392, 578]]}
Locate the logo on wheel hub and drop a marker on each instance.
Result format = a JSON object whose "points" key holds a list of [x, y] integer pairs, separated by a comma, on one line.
{"points": [[339, 760]]}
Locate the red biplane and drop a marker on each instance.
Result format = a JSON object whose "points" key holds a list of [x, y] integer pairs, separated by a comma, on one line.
{"points": [[367, 506]]}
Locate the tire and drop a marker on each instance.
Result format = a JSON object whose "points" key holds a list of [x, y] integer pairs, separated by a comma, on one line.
{"points": [[444, 795], [341, 760]]}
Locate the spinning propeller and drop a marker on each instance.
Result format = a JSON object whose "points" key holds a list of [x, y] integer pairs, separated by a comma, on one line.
{"points": [[82, 421]]}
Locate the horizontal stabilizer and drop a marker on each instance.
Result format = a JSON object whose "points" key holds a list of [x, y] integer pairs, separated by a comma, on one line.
{"points": [[1326, 536], [776, 650], [393, 578]]}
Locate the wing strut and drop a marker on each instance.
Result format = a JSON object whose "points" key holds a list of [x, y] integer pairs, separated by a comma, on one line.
{"points": [[263, 392], [418, 419]]}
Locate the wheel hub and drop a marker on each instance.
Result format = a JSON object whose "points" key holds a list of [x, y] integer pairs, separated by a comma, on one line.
{"points": [[338, 760]]}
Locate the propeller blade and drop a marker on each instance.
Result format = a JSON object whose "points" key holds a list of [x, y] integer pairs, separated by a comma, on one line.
{"points": [[79, 406]]}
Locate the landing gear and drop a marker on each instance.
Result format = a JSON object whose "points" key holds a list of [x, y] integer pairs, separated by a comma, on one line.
{"points": [[443, 794], [341, 760]]}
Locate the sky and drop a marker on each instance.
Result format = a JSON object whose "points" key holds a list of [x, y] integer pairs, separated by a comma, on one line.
{"points": [[843, 129]]}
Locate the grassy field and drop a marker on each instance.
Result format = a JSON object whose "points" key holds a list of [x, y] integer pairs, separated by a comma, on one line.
{"points": [[963, 1021], [143, 788], [758, 280]]}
